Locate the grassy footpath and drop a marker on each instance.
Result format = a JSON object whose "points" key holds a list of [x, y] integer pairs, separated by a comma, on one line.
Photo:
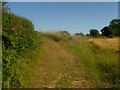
{"points": [[55, 67], [72, 64]]}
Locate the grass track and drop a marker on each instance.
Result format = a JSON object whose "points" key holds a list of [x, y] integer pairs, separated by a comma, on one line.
{"points": [[70, 64]]}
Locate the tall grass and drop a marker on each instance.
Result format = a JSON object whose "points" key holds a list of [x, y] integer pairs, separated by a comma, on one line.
{"points": [[100, 64]]}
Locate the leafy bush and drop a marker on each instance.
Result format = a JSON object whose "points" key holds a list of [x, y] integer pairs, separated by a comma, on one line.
{"points": [[18, 36]]}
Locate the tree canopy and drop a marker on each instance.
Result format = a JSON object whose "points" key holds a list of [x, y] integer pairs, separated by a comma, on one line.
{"points": [[79, 34], [94, 32], [112, 30]]}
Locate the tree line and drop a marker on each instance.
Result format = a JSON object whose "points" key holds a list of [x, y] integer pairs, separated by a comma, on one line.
{"points": [[113, 29]]}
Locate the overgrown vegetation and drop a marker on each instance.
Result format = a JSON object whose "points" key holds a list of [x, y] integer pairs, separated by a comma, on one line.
{"points": [[75, 63], [18, 37], [100, 64], [58, 36], [62, 53]]}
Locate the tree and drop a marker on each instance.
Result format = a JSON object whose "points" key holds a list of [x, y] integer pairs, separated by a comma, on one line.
{"points": [[87, 34], [114, 22], [113, 29], [64, 32], [79, 34], [115, 26], [106, 31], [94, 32]]}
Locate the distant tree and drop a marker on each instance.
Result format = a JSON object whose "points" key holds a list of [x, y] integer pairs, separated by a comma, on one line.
{"points": [[114, 22], [106, 31], [113, 29], [66, 32], [94, 32], [87, 34], [76, 34], [79, 34]]}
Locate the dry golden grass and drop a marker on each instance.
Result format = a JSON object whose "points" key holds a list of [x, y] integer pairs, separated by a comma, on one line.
{"points": [[106, 43]]}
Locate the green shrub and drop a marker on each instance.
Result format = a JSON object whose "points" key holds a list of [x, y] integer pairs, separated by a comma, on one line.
{"points": [[18, 36]]}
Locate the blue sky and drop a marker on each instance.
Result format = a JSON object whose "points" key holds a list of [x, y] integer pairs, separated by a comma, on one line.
{"points": [[71, 16]]}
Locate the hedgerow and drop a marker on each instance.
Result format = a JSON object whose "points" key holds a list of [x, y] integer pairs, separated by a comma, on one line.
{"points": [[18, 37]]}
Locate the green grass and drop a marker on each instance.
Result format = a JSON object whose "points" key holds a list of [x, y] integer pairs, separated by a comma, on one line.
{"points": [[100, 64], [75, 63]]}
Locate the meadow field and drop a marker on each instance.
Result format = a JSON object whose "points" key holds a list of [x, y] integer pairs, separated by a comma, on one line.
{"points": [[71, 61]]}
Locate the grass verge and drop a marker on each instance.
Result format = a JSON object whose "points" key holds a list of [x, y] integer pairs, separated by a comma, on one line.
{"points": [[100, 64]]}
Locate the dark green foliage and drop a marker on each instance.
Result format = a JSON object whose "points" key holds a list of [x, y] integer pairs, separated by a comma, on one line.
{"points": [[105, 31], [94, 33], [113, 29], [65, 32], [87, 34], [109, 72], [115, 26], [18, 37], [55, 37], [65, 35], [81, 34]]}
